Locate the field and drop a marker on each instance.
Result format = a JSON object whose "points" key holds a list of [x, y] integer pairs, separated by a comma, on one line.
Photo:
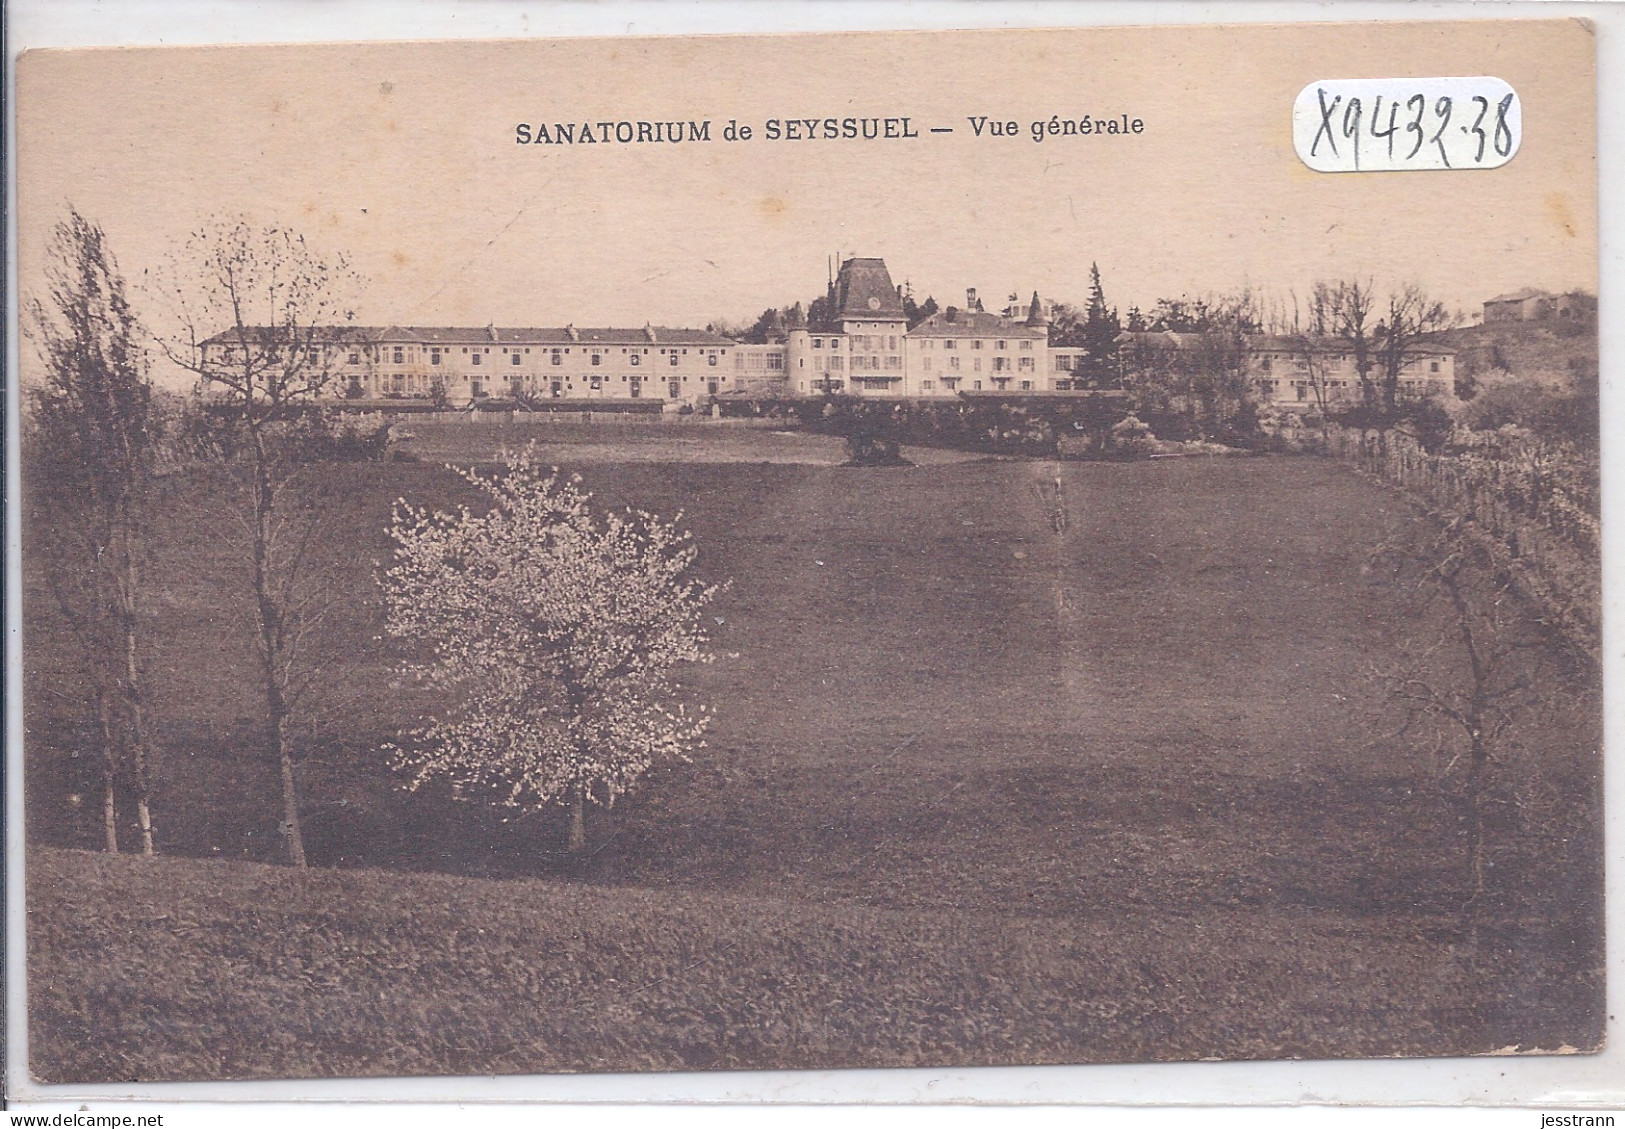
{"points": [[618, 440], [995, 778]]}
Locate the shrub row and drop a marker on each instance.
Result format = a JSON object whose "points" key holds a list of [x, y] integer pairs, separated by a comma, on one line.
{"points": [[1537, 500], [1016, 425]]}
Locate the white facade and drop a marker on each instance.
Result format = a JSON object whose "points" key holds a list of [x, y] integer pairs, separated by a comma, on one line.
{"points": [[1298, 377], [958, 351], [862, 347], [464, 365]]}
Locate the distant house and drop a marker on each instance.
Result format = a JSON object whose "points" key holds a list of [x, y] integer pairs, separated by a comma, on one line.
{"points": [[1539, 306], [1576, 304], [1527, 304], [1530, 304]]}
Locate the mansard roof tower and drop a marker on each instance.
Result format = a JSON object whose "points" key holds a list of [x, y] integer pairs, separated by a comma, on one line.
{"points": [[864, 293]]}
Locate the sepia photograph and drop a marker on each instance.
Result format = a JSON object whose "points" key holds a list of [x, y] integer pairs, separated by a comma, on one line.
{"points": [[807, 552]]}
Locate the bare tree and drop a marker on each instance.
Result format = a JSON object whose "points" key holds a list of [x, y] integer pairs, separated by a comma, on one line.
{"points": [[91, 458], [1194, 362], [1465, 685], [1307, 341], [1412, 315], [1148, 367], [1342, 311], [1217, 374], [259, 316]]}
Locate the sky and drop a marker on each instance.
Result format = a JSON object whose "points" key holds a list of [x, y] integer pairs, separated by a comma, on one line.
{"points": [[404, 157]]}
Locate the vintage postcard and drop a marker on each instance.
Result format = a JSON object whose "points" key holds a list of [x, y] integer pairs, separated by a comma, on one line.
{"points": [[811, 551]]}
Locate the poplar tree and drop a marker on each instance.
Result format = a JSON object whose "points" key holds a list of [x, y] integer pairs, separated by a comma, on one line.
{"points": [[90, 468]]}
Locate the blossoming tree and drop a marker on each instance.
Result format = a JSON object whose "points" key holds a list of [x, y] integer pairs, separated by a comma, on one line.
{"points": [[557, 629]]}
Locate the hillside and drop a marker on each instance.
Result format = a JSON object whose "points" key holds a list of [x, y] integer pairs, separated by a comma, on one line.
{"points": [[1001, 772], [195, 969], [1548, 352]]}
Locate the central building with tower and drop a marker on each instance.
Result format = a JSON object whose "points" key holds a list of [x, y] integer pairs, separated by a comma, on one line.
{"points": [[864, 346]]}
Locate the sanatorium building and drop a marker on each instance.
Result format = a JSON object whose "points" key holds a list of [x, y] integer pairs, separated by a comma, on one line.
{"points": [[865, 349]]}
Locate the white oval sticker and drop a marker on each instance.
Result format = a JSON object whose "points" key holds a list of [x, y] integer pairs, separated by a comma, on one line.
{"points": [[1401, 124]]}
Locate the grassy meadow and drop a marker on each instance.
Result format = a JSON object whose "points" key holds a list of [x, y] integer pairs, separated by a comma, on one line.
{"points": [[993, 779]]}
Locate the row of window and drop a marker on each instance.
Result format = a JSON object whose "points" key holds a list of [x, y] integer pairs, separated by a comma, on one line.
{"points": [[956, 343], [1341, 389], [419, 382], [1267, 362], [893, 363], [874, 342], [947, 383], [401, 355], [952, 382], [402, 351], [879, 342], [557, 357], [774, 361], [1000, 364], [674, 389]]}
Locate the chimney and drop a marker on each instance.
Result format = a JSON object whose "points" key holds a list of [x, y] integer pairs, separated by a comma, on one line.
{"points": [[649, 332], [491, 328], [970, 297], [570, 332]]}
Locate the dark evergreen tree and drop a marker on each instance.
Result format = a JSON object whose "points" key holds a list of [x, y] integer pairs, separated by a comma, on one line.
{"points": [[916, 312], [821, 315], [762, 330], [1101, 329], [1181, 315]]}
